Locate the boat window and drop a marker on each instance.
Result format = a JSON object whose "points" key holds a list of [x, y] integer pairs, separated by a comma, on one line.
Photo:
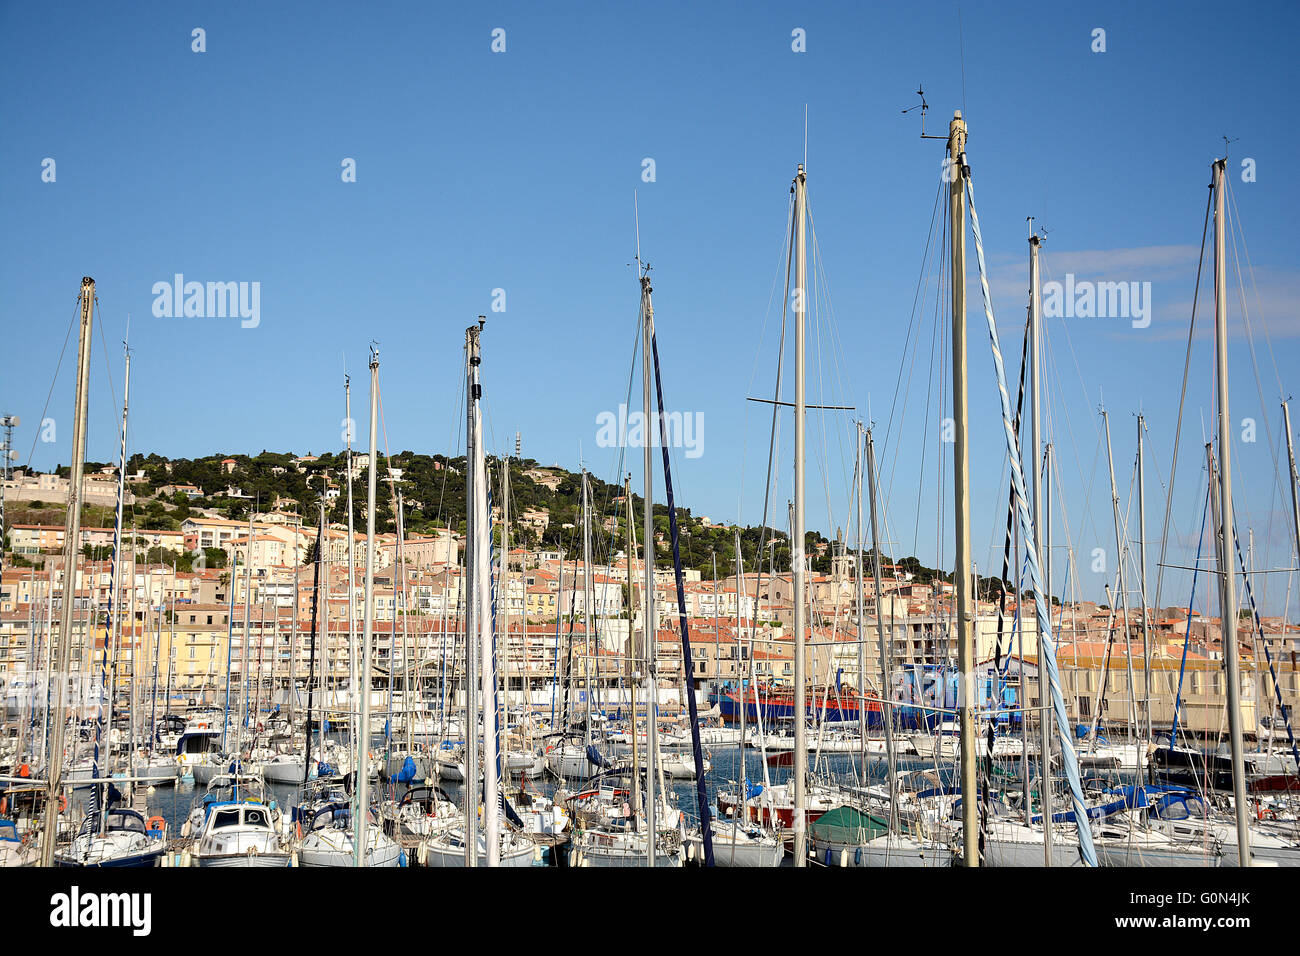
{"points": [[125, 821], [226, 818], [1196, 807], [1174, 810], [255, 818]]}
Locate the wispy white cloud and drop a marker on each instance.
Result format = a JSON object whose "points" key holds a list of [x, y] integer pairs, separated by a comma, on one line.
{"points": [[1269, 296]]}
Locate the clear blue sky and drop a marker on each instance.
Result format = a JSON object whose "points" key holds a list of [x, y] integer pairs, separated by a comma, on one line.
{"points": [[478, 171]]}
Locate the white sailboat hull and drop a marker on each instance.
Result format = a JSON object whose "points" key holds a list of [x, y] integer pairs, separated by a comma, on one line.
{"points": [[884, 851], [449, 852], [336, 848]]}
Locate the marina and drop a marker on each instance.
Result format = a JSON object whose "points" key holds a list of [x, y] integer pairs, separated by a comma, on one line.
{"points": [[676, 561]]}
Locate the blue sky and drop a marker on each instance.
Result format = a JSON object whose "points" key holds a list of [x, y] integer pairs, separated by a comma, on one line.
{"points": [[479, 170]]}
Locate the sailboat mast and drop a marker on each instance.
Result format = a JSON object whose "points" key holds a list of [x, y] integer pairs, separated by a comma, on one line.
{"points": [[230, 649], [362, 764], [248, 596], [482, 530], [1228, 601], [858, 597], [798, 560], [649, 626], [1295, 477], [472, 608], [961, 489], [114, 610], [886, 678], [71, 542], [1142, 574], [586, 614], [311, 658], [632, 654], [290, 690], [352, 565], [503, 587], [1123, 589], [171, 645], [1036, 484]]}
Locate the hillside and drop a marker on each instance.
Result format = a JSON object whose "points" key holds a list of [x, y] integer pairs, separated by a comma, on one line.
{"points": [[432, 488]]}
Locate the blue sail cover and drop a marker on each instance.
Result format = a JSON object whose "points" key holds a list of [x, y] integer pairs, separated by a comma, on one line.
{"points": [[408, 771], [596, 758]]}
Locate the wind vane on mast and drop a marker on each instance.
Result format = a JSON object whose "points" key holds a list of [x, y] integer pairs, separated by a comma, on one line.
{"points": [[924, 107]]}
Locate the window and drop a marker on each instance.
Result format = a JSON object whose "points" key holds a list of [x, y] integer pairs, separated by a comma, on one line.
{"points": [[226, 818]]}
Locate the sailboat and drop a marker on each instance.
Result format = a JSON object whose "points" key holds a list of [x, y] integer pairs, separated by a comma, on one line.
{"points": [[117, 837], [113, 835], [328, 839], [481, 834]]}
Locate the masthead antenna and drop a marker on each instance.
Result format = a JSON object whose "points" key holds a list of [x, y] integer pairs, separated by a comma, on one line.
{"points": [[636, 216], [805, 137]]}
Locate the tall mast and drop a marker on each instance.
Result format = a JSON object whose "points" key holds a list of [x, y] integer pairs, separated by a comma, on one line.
{"points": [[1043, 538], [171, 644], [230, 648], [71, 541], [311, 658], [586, 613], [291, 691], [886, 677], [1035, 464], [362, 811], [353, 676], [133, 710], [798, 561], [472, 608], [248, 633], [633, 656], [1228, 601], [1142, 573], [114, 610], [649, 626], [961, 490], [503, 587], [717, 664], [1295, 478], [482, 532], [857, 593], [1123, 589], [741, 658]]}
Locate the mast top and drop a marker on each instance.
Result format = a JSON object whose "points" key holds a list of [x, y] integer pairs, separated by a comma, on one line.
{"points": [[957, 131]]}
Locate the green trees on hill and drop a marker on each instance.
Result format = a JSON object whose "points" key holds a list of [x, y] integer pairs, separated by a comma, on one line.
{"points": [[433, 493]]}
